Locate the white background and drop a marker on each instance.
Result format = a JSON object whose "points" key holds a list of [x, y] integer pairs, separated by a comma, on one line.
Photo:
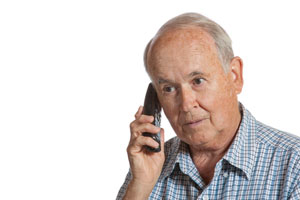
{"points": [[72, 77]]}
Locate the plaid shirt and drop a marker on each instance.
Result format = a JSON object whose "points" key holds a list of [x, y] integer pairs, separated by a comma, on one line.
{"points": [[261, 163]]}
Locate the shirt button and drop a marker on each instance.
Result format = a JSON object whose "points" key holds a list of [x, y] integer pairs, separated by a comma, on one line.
{"points": [[225, 175], [205, 197]]}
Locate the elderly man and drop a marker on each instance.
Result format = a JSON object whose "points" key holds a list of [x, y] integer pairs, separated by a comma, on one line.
{"points": [[221, 151]]}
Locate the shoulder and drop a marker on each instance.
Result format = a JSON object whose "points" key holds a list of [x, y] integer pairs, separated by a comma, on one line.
{"points": [[268, 137], [277, 152], [275, 138], [280, 148]]}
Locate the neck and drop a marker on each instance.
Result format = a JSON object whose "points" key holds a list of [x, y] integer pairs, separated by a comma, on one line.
{"points": [[205, 158]]}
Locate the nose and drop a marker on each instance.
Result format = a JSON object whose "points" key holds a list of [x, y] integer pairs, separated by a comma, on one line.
{"points": [[188, 99]]}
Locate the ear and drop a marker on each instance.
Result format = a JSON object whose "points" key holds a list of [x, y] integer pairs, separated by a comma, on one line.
{"points": [[236, 72]]}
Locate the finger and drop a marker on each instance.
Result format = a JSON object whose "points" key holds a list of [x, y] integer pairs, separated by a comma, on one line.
{"points": [[162, 139], [137, 130], [138, 144], [145, 119], [146, 141], [139, 112], [141, 119]]}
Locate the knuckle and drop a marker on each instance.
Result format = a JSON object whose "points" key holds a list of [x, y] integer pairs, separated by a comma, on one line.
{"points": [[147, 118], [151, 118], [128, 149], [151, 142], [132, 125], [148, 140], [148, 127], [151, 128], [140, 118]]}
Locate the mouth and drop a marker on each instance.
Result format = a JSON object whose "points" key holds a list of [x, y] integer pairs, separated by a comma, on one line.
{"points": [[194, 123]]}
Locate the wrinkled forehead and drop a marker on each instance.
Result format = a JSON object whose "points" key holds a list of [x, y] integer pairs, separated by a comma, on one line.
{"points": [[182, 35], [181, 44]]}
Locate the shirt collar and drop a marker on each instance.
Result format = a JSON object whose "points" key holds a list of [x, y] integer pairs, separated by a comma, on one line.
{"points": [[172, 152], [241, 153], [176, 151]]}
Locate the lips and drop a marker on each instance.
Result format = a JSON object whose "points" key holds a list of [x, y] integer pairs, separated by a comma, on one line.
{"points": [[194, 123]]}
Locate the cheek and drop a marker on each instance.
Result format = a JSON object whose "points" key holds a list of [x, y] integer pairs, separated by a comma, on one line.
{"points": [[219, 93], [217, 100], [171, 111]]}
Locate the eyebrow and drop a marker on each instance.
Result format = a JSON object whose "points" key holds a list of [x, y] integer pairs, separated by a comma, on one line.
{"points": [[162, 80], [190, 75], [195, 73]]}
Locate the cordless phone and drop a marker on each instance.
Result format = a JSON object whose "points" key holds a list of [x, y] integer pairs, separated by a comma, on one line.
{"points": [[152, 107]]}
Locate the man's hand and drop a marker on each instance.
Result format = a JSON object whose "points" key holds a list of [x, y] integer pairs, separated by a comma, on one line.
{"points": [[145, 166]]}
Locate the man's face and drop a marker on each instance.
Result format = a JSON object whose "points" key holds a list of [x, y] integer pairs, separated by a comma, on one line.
{"points": [[198, 97]]}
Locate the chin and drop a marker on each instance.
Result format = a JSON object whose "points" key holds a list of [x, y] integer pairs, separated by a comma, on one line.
{"points": [[195, 138]]}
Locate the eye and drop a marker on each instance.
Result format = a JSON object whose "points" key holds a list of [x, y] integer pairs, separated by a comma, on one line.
{"points": [[168, 89], [198, 81]]}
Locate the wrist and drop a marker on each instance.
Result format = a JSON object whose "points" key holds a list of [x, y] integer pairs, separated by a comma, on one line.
{"points": [[138, 190]]}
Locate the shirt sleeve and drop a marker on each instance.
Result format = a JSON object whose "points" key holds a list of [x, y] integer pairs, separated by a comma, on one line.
{"points": [[123, 189], [296, 193]]}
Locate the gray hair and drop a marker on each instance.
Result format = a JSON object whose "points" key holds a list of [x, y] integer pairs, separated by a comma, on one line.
{"points": [[221, 38]]}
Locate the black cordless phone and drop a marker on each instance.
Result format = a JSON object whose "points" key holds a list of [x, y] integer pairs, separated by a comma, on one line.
{"points": [[152, 107]]}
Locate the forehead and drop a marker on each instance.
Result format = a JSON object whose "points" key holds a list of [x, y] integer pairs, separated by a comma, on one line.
{"points": [[182, 36], [180, 48]]}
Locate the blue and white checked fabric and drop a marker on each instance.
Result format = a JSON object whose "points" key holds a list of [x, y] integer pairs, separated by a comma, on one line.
{"points": [[261, 163]]}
